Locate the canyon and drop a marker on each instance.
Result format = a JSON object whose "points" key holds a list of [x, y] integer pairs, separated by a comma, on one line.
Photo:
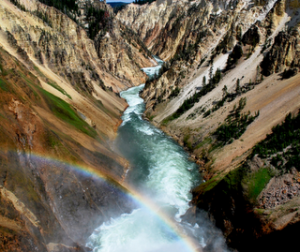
{"points": [[227, 61], [229, 77], [60, 110]]}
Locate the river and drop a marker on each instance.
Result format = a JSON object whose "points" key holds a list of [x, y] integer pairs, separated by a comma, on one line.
{"points": [[163, 174]]}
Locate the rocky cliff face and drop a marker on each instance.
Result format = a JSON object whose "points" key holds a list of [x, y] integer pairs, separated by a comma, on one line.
{"points": [[284, 54], [123, 54], [189, 32], [214, 114], [168, 27], [48, 205], [58, 42], [60, 109]]}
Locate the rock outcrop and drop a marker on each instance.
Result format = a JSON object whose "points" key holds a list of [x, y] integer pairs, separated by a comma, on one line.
{"points": [[188, 33], [46, 202], [284, 54], [279, 191], [59, 111], [197, 105], [63, 45]]}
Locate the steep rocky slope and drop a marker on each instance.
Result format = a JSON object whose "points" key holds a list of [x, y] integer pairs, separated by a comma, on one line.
{"points": [[197, 31], [47, 205], [60, 109], [61, 44], [59, 112], [221, 115], [174, 27]]}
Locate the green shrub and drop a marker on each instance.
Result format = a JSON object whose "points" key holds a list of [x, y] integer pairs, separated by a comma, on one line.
{"points": [[189, 103], [63, 111], [283, 135], [235, 125], [187, 142], [256, 182], [54, 85], [3, 85]]}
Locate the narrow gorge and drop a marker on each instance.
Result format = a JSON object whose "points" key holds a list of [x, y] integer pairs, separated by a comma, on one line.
{"points": [[160, 179], [105, 147]]}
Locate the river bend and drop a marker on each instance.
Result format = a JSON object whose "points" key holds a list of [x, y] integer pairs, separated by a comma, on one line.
{"points": [[162, 172]]}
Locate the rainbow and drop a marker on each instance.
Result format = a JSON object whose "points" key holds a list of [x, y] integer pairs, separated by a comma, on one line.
{"points": [[191, 244]]}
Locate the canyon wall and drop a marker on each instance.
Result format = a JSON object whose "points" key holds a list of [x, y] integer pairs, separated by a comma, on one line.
{"points": [[60, 111], [230, 76]]}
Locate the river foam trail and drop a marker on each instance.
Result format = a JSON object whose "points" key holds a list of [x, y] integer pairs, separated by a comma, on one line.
{"points": [[162, 172]]}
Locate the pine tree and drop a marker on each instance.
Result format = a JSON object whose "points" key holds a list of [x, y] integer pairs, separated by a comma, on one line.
{"points": [[257, 75], [204, 81], [217, 76], [211, 74], [224, 91], [238, 88]]}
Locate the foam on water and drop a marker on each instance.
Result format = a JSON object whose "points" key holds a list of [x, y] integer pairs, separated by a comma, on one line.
{"points": [[151, 71], [130, 232], [161, 171]]}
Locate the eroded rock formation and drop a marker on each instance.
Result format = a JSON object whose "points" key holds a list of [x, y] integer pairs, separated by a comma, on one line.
{"points": [[60, 110], [197, 105]]}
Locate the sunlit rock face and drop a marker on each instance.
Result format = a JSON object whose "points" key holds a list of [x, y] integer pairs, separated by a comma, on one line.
{"points": [[166, 26], [188, 33], [51, 194], [195, 38], [66, 48], [50, 201], [60, 111]]}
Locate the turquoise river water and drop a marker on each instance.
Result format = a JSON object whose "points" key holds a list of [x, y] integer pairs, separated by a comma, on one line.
{"points": [[162, 173]]}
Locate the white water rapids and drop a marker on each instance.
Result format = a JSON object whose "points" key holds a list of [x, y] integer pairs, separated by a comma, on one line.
{"points": [[161, 171]]}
